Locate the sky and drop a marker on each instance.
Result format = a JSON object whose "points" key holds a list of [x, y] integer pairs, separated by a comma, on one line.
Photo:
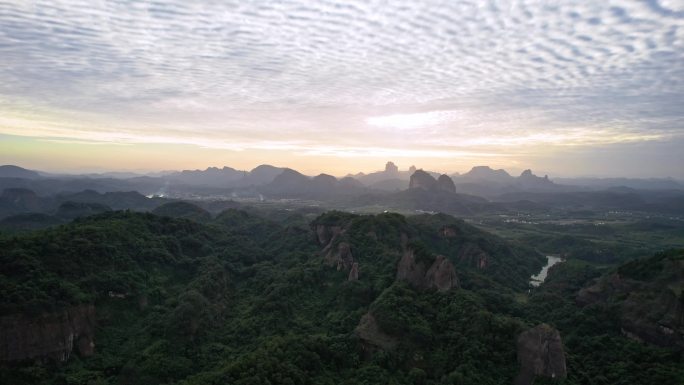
{"points": [[568, 88]]}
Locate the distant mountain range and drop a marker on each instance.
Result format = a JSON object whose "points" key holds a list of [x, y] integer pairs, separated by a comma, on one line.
{"points": [[482, 189]]}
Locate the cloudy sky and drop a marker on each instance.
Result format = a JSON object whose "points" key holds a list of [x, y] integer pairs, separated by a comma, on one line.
{"points": [[563, 87]]}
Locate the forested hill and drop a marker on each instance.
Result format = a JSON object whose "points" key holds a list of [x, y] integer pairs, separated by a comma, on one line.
{"points": [[139, 298]]}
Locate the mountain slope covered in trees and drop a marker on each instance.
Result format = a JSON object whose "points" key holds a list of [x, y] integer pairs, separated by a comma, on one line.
{"points": [[244, 299]]}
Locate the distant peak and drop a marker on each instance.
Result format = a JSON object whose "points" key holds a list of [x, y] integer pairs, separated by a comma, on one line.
{"points": [[263, 167], [482, 168], [390, 167], [488, 173]]}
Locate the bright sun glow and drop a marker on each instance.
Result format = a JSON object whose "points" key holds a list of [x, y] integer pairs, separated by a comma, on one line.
{"points": [[412, 121]]}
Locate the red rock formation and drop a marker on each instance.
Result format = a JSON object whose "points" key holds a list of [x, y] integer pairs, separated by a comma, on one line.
{"points": [[411, 271], [50, 335], [340, 257], [354, 272], [441, 275], [540, 353]]}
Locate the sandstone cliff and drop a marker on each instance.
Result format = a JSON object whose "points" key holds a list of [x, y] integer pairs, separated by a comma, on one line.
{"points": [[438, 273], [340, 256], [354, 272], [540, 353], [48, 336]]}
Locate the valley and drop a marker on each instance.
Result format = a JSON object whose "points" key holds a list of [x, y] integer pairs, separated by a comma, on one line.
{"points": [[419, 286]]}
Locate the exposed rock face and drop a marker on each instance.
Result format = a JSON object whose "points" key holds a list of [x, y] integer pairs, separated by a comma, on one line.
{"points": [[354, 272], [473, 255], [440, 275], [540, 353], [51, 335], [421, 179], [327, 234], [336, 253], [340, 256], [444, 183], [372, 338], [411, 271]]}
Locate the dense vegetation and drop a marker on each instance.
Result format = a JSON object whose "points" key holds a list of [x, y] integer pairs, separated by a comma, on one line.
{"points": [[243, 299]]}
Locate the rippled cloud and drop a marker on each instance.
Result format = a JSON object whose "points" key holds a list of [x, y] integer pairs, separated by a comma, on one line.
{"points": [[441, 77]]}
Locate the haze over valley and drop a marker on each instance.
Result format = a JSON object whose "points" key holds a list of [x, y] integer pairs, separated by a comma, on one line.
{"points": [[342, 192]]}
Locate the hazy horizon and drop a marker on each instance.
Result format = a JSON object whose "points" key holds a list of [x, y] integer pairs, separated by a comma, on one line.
{"points": [[563, 88], [313, 172]]}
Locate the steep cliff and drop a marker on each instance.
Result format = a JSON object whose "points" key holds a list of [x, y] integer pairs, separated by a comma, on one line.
{"points": [[48, 336], [424, 273], [540, 353], [340, 256]]}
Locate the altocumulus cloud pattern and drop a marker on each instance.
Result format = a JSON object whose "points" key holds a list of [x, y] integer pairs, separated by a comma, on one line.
{"points": [[498, 72]]}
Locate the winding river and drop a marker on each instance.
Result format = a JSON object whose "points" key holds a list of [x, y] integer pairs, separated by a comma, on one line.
{"points": [[536, 280]]}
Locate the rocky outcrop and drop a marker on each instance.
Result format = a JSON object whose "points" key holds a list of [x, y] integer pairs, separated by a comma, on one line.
{"points": [[528, 180], [391, 168], [326, 234], [340, 256], [437, 274], [410, 270], [441, 275], [48, 336], [354, 272], [444, 183], [473, 255], [423, 180], [540, 353], [372, 337]]}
